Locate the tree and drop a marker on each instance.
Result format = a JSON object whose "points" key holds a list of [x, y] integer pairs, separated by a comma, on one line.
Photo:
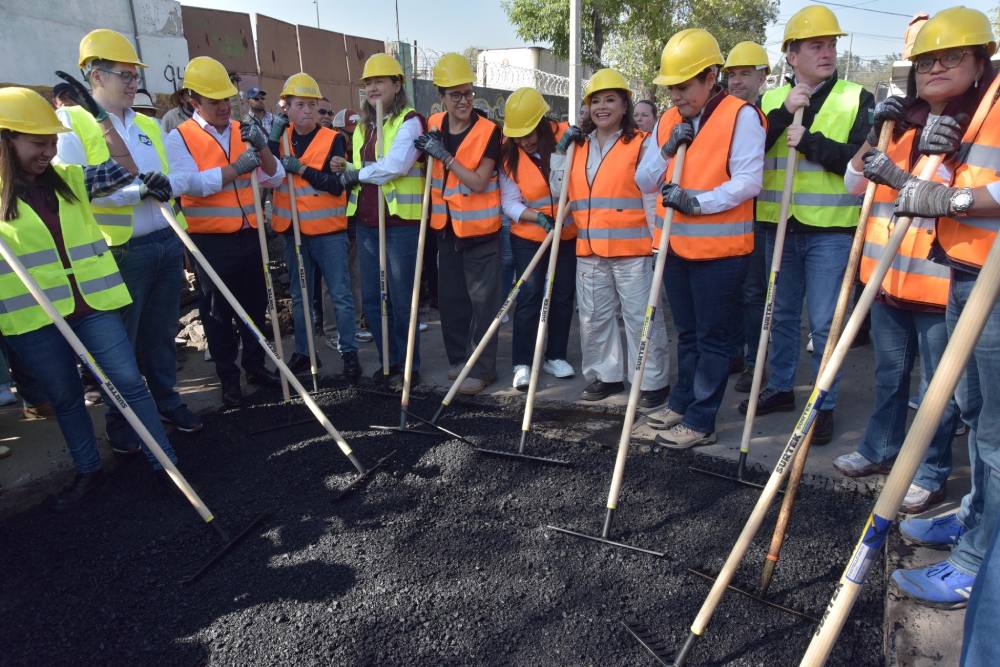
{"points": [[995, 19], [548, 21]]}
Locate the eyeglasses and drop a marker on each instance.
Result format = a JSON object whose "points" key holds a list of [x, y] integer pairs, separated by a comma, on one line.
{"points": [[948, 60], [324, 112], [126, 77], [457, 96]]}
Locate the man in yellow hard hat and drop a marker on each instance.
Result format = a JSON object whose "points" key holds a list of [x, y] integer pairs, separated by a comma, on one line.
{"points": [[746, 71], [823, 214], [149, 255], [213, 156]]}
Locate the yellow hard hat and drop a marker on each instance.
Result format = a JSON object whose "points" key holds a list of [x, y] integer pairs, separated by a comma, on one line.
{"points": [[209, 78], [381, 64], [301, 85], [747, 54], [687, 54], [809, 22], [521, 114], [606, 79], [24, 110], [952, 28], [104, 44], [451, 70]]}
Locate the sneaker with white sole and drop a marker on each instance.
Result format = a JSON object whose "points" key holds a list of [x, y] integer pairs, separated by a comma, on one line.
{"points": [[364, 336], [332, 343], [682, 437], [559, 368], [941, 585], [856, 465], [522, 377], [918, 499], [940, 532], [664, 419]]}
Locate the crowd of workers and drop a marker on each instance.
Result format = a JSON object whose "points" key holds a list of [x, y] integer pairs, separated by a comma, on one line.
{"points": [[86, 191]]}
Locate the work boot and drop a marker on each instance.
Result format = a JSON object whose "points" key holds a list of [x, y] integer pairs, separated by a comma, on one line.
{"points": [[299, 364], [182, 419], [352, 367], [232, 393], [84, 486], [653, 398], [744, 383], [598, 390], [262, 377], [942, 532], [823, 428], [918, 499], [664, 420], [941, 585], [856, 465], [394, 372], [771, 400], [682, 437]]}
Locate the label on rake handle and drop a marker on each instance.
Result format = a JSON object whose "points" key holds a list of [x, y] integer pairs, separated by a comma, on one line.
{"points": [[868, 549]]}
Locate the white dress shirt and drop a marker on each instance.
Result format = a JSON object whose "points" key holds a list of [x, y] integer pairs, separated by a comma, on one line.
{"points": [[595, 156], [746, 165], [400, 158]]}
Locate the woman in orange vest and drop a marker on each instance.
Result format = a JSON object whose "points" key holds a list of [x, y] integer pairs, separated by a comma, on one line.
{"points": [[465, 210], [614, 269], [528, 200], [322, 209], [711, 235]]}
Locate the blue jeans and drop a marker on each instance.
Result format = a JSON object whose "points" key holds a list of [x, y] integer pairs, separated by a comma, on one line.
{"points": [[401, 263], [980, 647], [327, 253], [898, 334], [703, 298], [752, 298], [153, 269], [978, 398], [812, 266], [506, 257], [529, 301], [46, 352]]}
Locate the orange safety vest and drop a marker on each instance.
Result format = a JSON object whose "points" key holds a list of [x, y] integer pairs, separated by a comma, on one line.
{"points": [[968, 240], [472, 213], [223, 212], [610, 220], [534, 187], [911, 277], [715, 235], [319, 212]]}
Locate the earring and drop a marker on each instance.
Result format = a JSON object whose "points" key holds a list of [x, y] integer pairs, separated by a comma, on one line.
{"points": [[976, 84]]}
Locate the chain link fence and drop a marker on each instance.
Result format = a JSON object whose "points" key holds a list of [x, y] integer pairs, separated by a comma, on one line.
{"points": [[493, 75]]}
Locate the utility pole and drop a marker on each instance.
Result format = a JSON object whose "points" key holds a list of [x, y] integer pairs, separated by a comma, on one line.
{"points": [[398, 39], [850, 57], [316, 2], [574, 61]]}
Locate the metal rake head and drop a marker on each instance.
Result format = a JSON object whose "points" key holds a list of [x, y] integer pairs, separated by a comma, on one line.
{"points": [[655, 646]]}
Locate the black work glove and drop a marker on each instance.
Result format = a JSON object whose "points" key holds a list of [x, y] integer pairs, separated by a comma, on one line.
{"points": [[675, 197], [924, 199], [278, 127], [941, 135], [156, 185], [545, 222], [879, 168], [891, 108], [252, 133], [432, 143], [247, 162], [681, 135], [292, 164], [573, 134], [82, 96], [349, 178]]}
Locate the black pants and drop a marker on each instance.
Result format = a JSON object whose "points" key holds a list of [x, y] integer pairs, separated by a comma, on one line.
{"points": [[236, 258], [469, 296], [529, 300]]}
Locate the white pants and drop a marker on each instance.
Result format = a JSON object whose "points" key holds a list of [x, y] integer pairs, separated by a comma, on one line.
{"points": [[603, 286]]}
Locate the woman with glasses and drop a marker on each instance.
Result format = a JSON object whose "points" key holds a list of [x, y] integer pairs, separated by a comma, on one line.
{"points": [[465, 198]]}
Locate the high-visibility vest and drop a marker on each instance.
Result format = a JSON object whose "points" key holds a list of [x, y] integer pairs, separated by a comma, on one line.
{"points": [[716, 235], [472, 213], [819, 197], [968, 240], [534, 187], [610, 220], [912, 276], [223, 212], [117, 222], [403, 195], [319, 212], [91, 262]]}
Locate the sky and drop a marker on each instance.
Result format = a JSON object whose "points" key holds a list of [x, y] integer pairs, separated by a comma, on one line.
{"points": [[453, 25]]}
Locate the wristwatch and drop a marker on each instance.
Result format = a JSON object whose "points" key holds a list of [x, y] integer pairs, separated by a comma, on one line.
{"points": [[961, 201]]}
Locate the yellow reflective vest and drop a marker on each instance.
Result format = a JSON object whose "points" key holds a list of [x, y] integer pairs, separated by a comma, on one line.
{"points": [[402, 195]]}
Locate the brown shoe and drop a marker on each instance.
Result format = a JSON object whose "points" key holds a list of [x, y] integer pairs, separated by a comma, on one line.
{"points": [[472, 386], [40, 411], [454, 371]]}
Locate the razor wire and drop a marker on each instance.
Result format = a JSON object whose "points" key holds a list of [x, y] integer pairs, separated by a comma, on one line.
{"points": [[501, 76]]}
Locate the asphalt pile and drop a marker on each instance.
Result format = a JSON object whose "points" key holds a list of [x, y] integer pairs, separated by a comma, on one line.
{"points": [[442, 558]]}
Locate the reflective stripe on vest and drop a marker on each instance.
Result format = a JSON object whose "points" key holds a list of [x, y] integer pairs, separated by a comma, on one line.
{"points": [[90, 262], [319, 212], [608, 213], [715, 235], [537, 195], [819, 196], [472, 213], [403, 195], [223, 212]]}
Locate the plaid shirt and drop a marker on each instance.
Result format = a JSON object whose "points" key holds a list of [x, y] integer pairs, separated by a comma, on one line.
{"points": [[103, 179]]}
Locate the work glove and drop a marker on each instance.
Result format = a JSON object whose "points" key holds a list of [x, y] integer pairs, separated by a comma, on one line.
{"points": [[891, 108], [432, 143], [941, 135], [247, 162], [156, 185], [292, 164], [349, 178], [573, 134], [879, 168], [278, 127], [924, 199], [545, 222], [675, 197], [252, 133], [681, 135], [82, 96]]}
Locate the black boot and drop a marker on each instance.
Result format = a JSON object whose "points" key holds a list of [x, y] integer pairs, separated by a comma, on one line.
{"points": [[352, 367], [84, 486], [232, 394]]}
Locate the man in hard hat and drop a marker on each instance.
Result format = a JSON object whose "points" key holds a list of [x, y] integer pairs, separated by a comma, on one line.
{"points": [[180, 112], [257, 101], [213, 156], [322, 213], [823, 214], [149, 255], [746, 71]]}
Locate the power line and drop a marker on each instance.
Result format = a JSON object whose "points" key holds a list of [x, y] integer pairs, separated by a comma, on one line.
{"points": [[862, 9]]}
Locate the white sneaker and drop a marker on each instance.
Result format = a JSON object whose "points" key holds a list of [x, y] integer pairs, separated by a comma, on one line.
{"points": [[682, 437], [423, 326], [364, 336], [331, 342], [560, 368], [809, 345], [7, 397], [522, 377]]}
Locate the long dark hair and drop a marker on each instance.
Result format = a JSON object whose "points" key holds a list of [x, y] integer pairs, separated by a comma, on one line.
{"points": [[629, 128], [966, 103], [13, 182], [545, 136]]}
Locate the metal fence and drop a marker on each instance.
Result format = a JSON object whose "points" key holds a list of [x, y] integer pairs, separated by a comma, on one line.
{"points": [[504, 77]]}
